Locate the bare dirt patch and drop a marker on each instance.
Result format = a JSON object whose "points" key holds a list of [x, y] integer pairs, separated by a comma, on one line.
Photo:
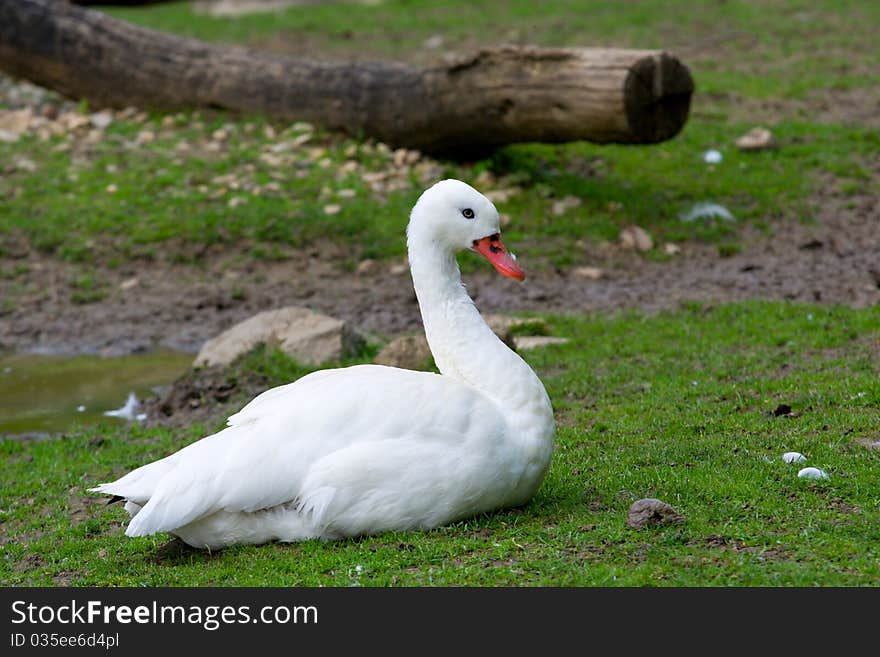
{"points": [[833, 261]]}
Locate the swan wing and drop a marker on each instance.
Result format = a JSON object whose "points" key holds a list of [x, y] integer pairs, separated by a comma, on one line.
{"points": [[264, 458]]}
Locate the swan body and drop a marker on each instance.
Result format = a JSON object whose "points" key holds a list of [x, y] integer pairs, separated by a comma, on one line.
{"points": [[366, 449]]}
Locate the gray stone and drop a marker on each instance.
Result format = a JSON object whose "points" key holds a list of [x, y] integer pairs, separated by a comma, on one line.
{"points": [[411, 352], [307, 336], [636, 237], [757, 139], [524, 342], [652, 511]]}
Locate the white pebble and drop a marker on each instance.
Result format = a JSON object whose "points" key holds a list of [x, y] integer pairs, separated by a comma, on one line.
{"points": [[712, 157], [794, 457], [101, 120], [812, 473]]}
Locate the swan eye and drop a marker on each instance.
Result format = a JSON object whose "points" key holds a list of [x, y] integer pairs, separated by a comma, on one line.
{"points": [[467, 213]]}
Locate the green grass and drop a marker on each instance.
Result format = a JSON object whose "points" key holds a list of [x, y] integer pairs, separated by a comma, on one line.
{"points": [[164, 203], [676, 406], [737, 50], [742, 47], [745, 57]]}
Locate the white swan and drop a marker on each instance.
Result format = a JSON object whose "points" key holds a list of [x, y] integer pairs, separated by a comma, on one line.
{"points": [[367, 449]]}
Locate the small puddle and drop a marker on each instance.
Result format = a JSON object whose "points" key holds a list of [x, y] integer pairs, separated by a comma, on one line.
{"points": [[48, 394]]}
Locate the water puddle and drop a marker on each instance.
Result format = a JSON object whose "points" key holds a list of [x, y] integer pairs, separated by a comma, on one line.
{"points": [[48, 394]]}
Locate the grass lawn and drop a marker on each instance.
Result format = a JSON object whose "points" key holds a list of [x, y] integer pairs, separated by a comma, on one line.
{"points": [[677, 406], [175, 188]]}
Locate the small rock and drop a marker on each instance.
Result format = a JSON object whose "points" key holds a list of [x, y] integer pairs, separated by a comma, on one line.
{"points": [[794, 457], [592, 273], [24, 164], [502, 195], [485, 180], [652, 511], [300, 140], [671, 249], [712, 156], [101, 120], [410, 352], [812, 473], [14, 123], [332, 208], [399, 268], [305, 335], [399, 157], [145, 137], [72, 121], [433, 42], [563, 205], [757, 139], [634, 237], [502, 325], [367, 267], [525, 342], [129, 283], [50, 111]]}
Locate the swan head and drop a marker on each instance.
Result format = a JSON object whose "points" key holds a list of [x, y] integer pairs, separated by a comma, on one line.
{"points": [[453, 216]]}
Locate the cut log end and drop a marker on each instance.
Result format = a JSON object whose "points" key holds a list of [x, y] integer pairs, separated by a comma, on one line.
{"points": [[657, 97]]}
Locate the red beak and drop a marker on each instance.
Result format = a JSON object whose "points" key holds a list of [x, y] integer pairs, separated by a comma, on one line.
{"points": [[493, 250]]}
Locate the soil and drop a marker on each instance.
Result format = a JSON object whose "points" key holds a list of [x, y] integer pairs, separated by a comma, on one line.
{"points": [[833, 261]]}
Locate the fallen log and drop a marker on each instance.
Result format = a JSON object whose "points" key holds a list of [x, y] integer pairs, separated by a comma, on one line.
{"points": [[460, 109]]}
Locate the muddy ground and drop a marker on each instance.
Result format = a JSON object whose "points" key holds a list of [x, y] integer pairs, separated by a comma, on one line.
{"points": [[834, 261]]}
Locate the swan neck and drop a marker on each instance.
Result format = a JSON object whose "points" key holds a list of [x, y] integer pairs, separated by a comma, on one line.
{"points": [[463, 345]]}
